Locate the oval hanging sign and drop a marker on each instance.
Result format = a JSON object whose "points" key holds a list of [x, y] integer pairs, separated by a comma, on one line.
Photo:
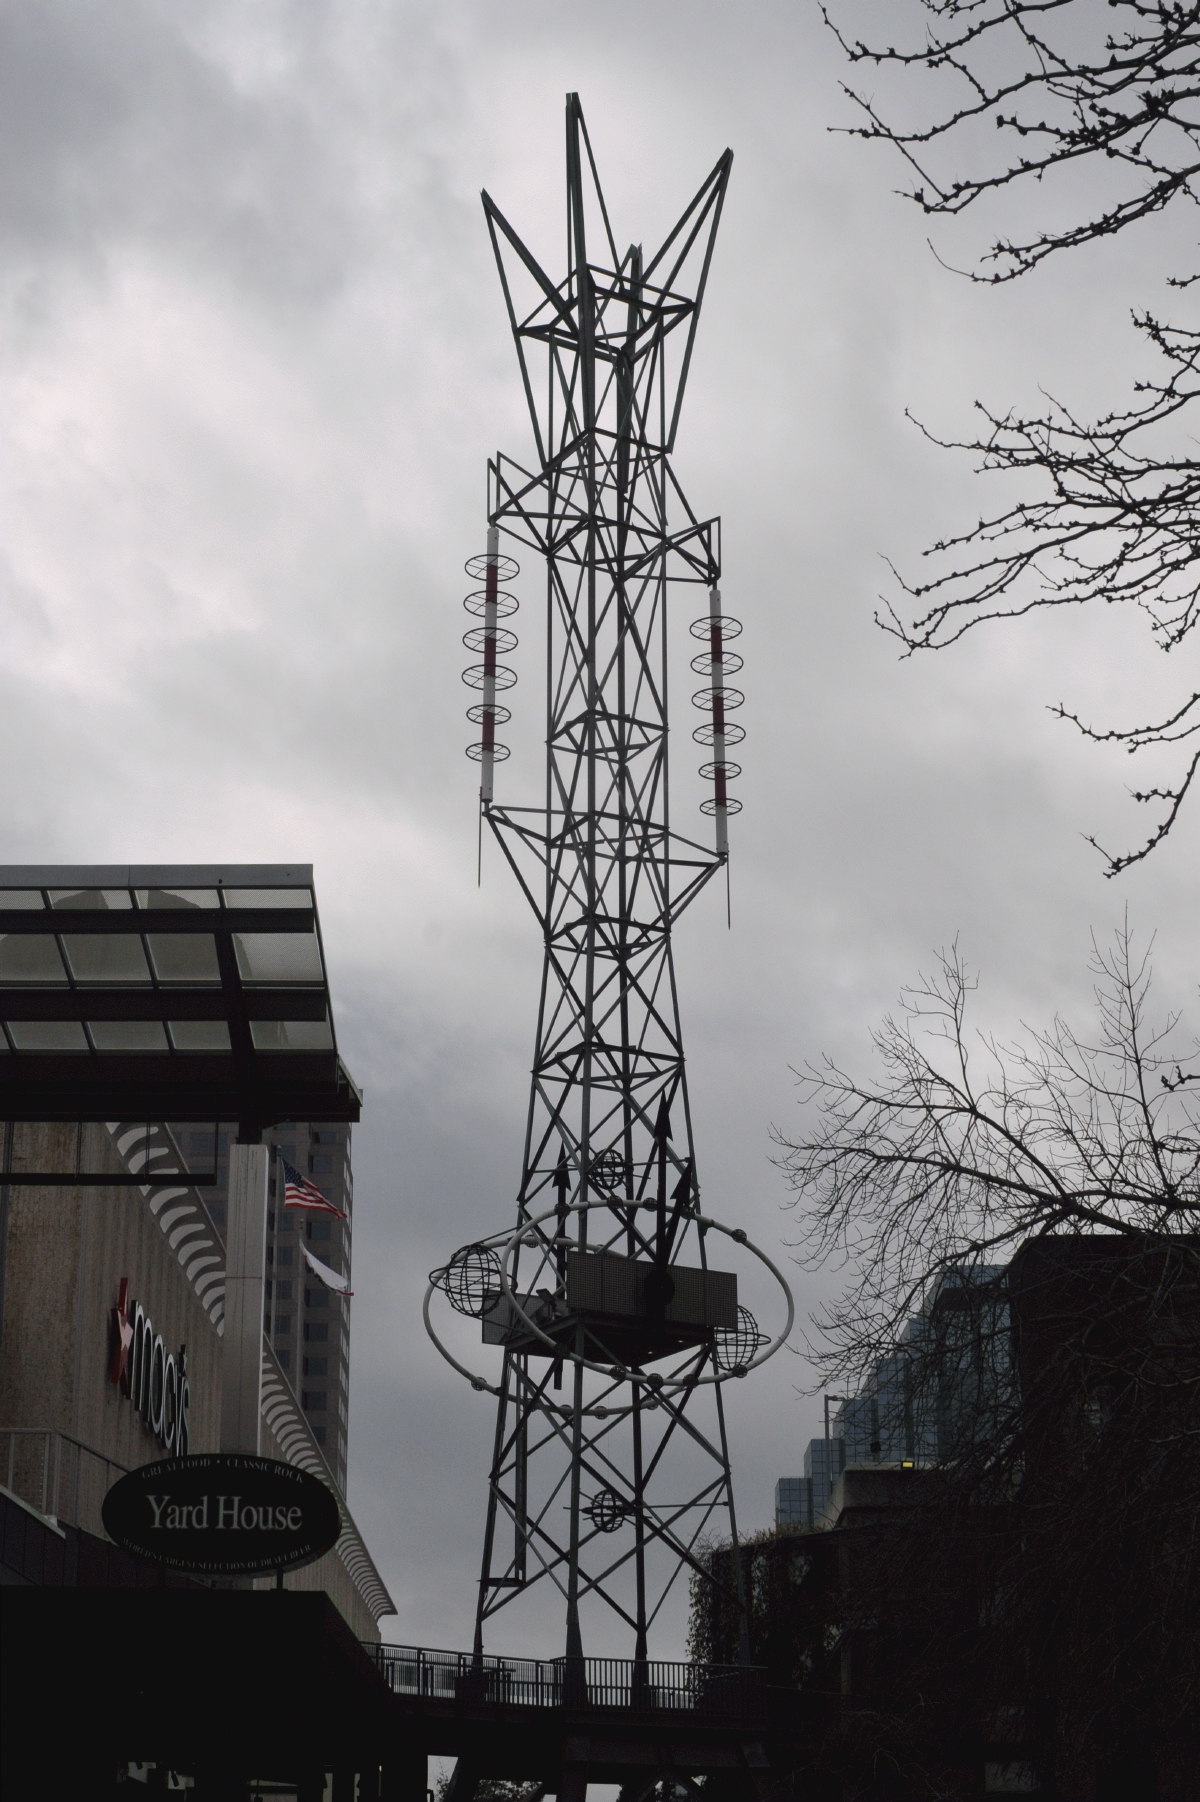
{"points": [[222, 1514]]}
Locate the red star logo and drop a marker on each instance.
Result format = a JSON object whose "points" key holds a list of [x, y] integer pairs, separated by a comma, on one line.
{"points": [[122, 1337]]}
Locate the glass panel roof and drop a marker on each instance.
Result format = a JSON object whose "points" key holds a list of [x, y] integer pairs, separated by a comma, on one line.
{"points": [[106, 957], [278, 956], [30, 958], [91, 899], [268, 897], [167, 1006], [178, 897], [291, 1035], [128, 1035], [47, 1035], [184, 957], [200, 1035]]}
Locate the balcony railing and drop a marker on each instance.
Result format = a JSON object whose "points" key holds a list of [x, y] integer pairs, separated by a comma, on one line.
{"points": [[727, 1692], [65, 1479]]}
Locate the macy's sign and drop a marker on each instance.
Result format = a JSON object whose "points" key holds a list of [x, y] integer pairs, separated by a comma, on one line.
{"points": [[154, 1379]]}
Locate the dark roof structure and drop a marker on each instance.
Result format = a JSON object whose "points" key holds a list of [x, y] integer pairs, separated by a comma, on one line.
{"points": [[166, 991]]}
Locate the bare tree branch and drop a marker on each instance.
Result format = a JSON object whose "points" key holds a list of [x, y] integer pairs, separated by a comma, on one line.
{"points": [[1114, 513], [961, 1148], [1129, 96]]}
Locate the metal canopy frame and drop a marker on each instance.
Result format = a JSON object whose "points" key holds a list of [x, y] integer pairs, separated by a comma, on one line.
{"points": [[257, 1072]]}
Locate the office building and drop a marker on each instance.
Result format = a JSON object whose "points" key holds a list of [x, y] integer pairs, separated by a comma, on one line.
{"points": [[951, 1371]]}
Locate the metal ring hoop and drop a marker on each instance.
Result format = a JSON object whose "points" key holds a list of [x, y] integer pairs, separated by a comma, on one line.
{"points": [[612, 1372], [728, 626], [506, 567]]}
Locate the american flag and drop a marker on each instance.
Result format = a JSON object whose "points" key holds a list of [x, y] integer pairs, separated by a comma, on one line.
{"points": [[298, 1192]]}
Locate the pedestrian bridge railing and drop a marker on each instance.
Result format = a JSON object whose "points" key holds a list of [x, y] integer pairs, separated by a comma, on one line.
{"points": [[717, 1691]]}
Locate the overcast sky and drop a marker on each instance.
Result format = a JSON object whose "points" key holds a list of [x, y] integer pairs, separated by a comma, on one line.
{"points": [[255, 358]]}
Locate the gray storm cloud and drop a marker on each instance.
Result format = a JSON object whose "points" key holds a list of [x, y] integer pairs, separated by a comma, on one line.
{"points": [[256, 358]]}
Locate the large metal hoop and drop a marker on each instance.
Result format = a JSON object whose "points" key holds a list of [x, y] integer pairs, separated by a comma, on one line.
{"points": [[616, 1372]]}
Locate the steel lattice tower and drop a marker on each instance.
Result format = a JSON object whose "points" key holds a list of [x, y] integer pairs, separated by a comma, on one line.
{"points": [[610, 1461]]}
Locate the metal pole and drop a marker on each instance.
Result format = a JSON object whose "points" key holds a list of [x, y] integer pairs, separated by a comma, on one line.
{"points": [[574, 1637]]}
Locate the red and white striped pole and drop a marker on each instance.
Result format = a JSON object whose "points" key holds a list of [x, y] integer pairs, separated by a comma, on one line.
{"points": [[717, 655], [487, 761]]}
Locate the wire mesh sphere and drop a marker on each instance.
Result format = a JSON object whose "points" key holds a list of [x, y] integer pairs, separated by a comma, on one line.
{"points": [[736, 1345], [470, 1278], [608, 1171], [606, 1511]]}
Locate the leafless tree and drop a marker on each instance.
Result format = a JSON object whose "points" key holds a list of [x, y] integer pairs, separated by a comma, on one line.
{"points": [[961, 1148], [1110, 515], [1046, 1194]]}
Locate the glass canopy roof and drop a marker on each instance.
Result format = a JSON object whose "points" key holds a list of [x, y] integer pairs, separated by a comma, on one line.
{"points": [[178, 991]]}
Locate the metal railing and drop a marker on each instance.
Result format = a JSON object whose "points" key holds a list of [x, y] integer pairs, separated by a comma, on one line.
{"points": [[718, 1691], [64, 1478]]}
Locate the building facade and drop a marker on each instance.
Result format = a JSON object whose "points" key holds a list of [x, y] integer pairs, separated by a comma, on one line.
{"points": [[77, 1260], [308, 1325]]}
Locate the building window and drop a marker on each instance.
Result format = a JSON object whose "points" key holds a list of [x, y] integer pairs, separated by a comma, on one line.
{"points": [[315, 1398], [318, 1229], [321, 1163], [318, 1434], [283, 1254], [283, 1292], [316, 1331], [285, 1359], [283, 1323], [316, 1367], [324, 1136], [316, 1298]]}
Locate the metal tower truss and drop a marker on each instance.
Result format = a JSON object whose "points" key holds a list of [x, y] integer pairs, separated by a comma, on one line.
{"points": [[611, 1463]]}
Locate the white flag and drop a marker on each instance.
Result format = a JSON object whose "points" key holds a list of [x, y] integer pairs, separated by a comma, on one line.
{"points": [[339, 1284]]}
